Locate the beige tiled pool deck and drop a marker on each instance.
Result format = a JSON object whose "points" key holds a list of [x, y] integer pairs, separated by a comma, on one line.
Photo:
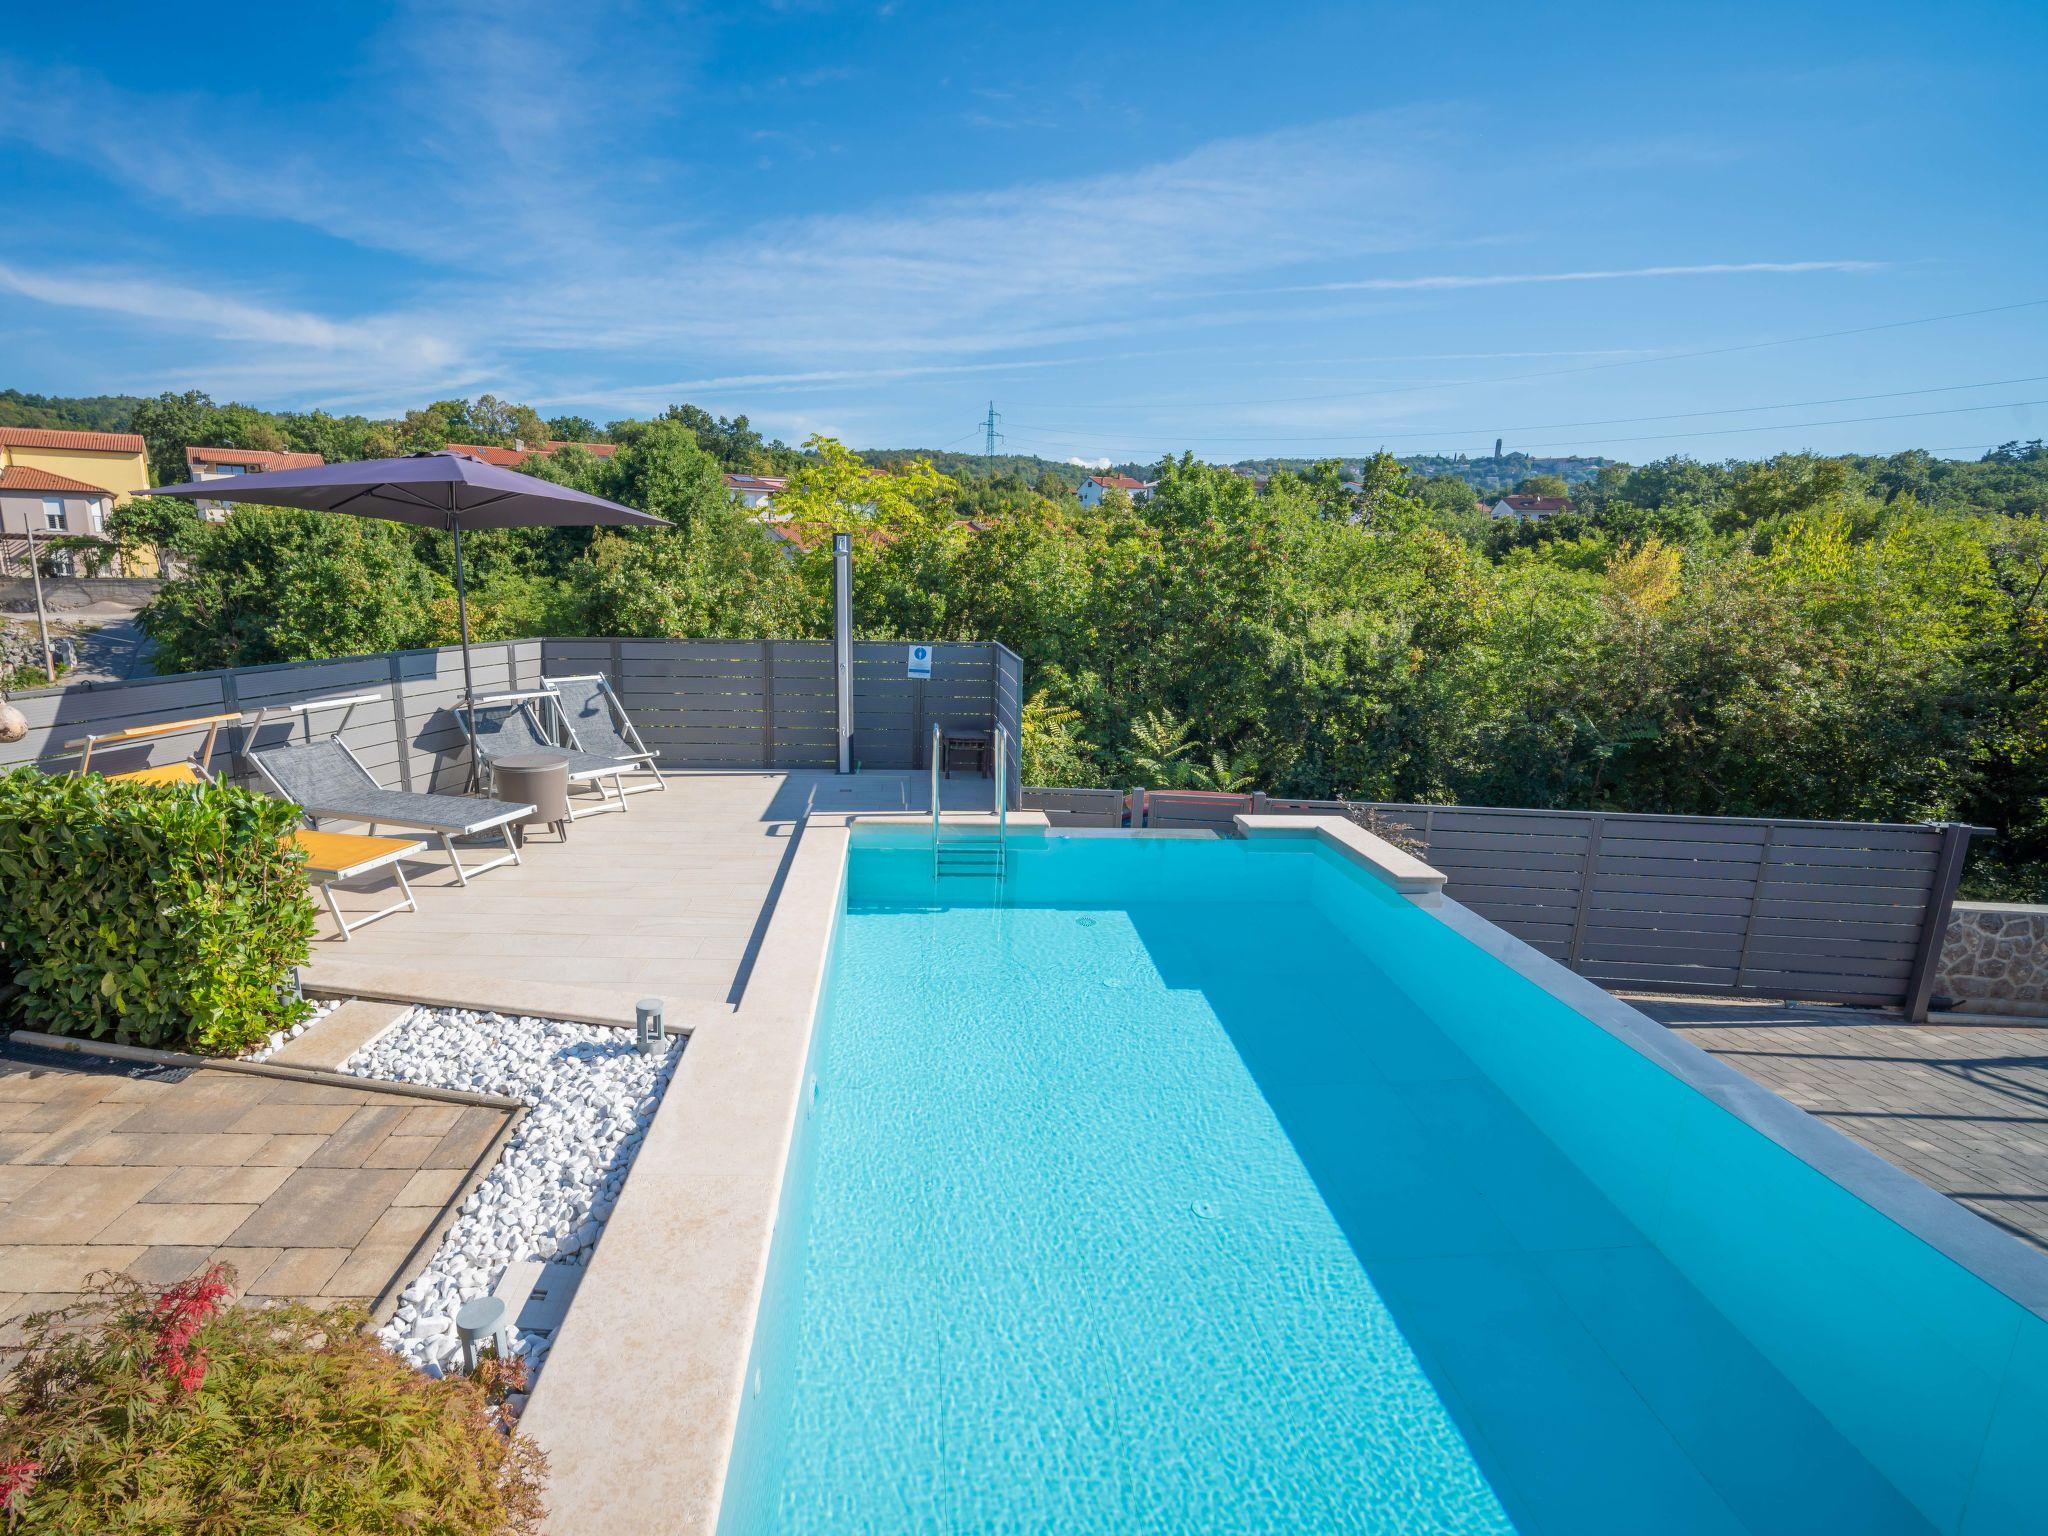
{"points": [[311, 1190], [667, 899]]}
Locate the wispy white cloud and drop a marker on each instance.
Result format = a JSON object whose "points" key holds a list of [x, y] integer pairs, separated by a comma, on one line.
{"points": [[1446, 281], [508, 256], [183, 308], [1030, 264]]}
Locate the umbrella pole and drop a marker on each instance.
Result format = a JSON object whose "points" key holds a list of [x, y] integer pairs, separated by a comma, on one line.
{"points": [[468, 684]]}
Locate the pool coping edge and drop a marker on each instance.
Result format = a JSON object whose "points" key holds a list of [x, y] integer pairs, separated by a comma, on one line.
{"points": [[639, 1404]]}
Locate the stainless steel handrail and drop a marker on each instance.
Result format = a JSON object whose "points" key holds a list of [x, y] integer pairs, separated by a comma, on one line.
{"points": [[1002, 790], [938, 751]]}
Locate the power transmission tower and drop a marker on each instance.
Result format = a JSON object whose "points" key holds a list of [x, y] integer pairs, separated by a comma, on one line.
{"points": [[994, 436]]}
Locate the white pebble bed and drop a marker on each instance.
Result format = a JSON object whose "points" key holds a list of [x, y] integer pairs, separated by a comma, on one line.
{"points": [[269, 1048], [590, 1094]]}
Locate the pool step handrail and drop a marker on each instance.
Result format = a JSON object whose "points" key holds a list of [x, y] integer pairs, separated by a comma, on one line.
{"points": [[972, 854], [1002, 785]]}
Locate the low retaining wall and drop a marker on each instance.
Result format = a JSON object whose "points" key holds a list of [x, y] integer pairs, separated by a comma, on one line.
{"points": [[1994, 959], [61, 594]]}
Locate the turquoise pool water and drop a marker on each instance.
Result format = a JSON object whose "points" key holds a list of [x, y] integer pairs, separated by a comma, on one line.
{"points": [[1207, 1186]]}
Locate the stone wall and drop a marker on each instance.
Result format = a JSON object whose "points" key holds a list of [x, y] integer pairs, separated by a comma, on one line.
{"points": [[61, 594], [1994, 959]]}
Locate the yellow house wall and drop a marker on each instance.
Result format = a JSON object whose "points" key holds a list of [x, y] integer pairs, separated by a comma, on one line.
{"points": [[125, 474]]}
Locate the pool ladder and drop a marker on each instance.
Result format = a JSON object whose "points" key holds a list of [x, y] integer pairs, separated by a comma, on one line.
{"points": [[970, 852]]}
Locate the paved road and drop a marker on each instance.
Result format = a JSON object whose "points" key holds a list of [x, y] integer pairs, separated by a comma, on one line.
{"points": [[113, 652], [113, 649]]}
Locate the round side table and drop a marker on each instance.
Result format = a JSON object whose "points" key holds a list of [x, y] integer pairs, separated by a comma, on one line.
{"points": [[539, 778]]}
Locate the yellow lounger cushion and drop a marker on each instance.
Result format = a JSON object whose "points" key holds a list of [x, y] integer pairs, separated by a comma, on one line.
{"points": [[337, 855], [168, 773]]}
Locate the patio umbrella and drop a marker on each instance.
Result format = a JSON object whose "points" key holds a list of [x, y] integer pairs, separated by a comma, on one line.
{"points": [[435, 490]]}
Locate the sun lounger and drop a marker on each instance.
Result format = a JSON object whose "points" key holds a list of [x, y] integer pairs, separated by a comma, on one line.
{"points": [[330, 784], [508, 725], [597, 722], [331, 857]]}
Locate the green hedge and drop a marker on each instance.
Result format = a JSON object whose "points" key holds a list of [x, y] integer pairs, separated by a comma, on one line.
{"points": [[151, 914]]}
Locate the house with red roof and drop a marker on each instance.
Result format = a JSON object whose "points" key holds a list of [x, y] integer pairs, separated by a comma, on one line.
{"points": [[1531, 506], [521, 451], [756, 493], [1095, 487], [59, 484], [203, 463]]}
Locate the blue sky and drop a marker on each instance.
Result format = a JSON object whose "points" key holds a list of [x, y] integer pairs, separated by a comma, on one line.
{"points": [[1298, 229]]}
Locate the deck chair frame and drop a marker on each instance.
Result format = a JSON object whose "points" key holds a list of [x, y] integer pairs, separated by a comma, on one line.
{"points": [[304, 708], [393, 859], [463, 873], [86, 745], [607, 778], [623, 722]]}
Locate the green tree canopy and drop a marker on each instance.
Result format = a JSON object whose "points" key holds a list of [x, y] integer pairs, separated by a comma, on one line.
{"points": [[274, 584]]}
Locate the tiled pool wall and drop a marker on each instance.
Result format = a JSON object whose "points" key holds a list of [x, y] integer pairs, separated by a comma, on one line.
{"points": [[1937, 1375], [760, 1443]]}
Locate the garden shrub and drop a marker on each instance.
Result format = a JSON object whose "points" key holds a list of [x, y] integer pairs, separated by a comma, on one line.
{"points": [[170, 1411], [151, 914]]}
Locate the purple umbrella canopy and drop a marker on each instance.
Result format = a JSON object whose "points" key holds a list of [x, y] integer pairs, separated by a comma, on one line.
{"points": [[433, 490]]}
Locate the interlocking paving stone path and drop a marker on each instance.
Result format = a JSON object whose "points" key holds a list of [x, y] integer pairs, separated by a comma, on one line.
{"points": [[1963, 1108], [310, 1190]]}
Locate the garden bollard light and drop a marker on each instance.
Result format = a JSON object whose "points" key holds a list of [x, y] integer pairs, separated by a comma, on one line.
{"points": [[648, 1030], [482, 1318]]}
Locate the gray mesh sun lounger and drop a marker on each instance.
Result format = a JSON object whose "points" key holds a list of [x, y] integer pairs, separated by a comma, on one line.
{"points": [[597, 722], [329, 784], [507, 725]]}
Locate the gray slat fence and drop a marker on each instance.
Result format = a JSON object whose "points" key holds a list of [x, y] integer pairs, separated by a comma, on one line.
{"points": [[409, 738], [1850, 912], [1009, 714], [699, 703]]}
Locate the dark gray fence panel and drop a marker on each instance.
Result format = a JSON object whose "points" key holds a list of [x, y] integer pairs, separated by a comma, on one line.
{"points": [[1821, 910], [57, 716], [1078, 807], [704, 703], [1009, 708], [806, 709], [1198, 810]]}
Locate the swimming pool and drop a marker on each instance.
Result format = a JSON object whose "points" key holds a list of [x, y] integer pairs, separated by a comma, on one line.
{"points": [[1197, 1184]]}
